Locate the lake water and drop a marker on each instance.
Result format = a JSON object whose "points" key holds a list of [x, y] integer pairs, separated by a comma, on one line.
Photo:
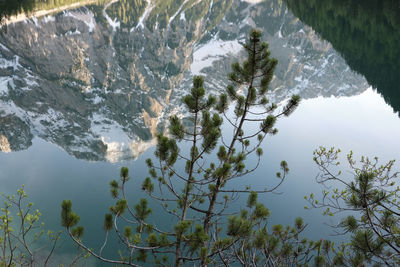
{"points": [[84, 89]]}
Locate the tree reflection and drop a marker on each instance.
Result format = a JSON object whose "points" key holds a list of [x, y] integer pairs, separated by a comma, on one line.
{"points": [[9, 8], [365, 33]]}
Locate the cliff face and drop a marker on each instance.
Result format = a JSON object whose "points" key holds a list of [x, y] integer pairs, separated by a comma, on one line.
{"points": [[99, 82]]}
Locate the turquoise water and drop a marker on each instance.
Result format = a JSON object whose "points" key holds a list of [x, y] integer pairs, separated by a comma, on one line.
{"points": [[50, 175]]}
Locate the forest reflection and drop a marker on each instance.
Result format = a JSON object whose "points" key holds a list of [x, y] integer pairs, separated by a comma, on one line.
{"points": [[10, 8], [365, 33]]}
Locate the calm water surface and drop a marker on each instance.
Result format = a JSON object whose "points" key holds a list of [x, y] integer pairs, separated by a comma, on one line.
{"points": [[84, 90]]}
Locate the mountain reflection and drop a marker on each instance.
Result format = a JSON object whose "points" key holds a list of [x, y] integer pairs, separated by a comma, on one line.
{"points": [[366, 33], [100, 80]]}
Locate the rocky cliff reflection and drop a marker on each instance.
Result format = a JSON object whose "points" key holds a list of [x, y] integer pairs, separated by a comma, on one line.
{"points": [[100, 80]]}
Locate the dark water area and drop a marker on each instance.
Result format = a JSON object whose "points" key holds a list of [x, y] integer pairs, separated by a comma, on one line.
{"points": [[84, 89], [12, 8], [365, 33]]}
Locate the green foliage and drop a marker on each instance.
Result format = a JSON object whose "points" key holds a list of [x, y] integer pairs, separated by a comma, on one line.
{"points": [[238, 227], [142, 211], [176, 128], [197, 239], [52, 4], [252, 200], [152, 240], [166, 150], [299, 223], [162, 12], [108, 222], [142, 255], [124, 174], [114, 188], [260, 211], [127, 12], [20, 229], [268, 124], [77, 232], [372, 197], [68, 217], [120, 207], [148, 185], [319, 261]]}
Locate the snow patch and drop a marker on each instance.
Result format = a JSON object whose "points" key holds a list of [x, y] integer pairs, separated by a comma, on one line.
{"points": [[307, 67], [35, 120], [283, 22], [9, 81], [49, 19], [4, 81], [76, 32], [97, 99], [5, 48], [35, 21], [205, 55], [30, 82], [110, 131], [14, 63], [344, 88], [113, 23], [253, 2], [149, 72], [87, 18], [182, 16], [119, 145]]}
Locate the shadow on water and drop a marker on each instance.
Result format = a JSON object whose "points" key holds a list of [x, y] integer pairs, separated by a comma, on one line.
{"points": [[366, 33]]}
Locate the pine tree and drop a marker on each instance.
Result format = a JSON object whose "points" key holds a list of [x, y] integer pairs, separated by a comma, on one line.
{"points": [[370, 201], [195, 197]]}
